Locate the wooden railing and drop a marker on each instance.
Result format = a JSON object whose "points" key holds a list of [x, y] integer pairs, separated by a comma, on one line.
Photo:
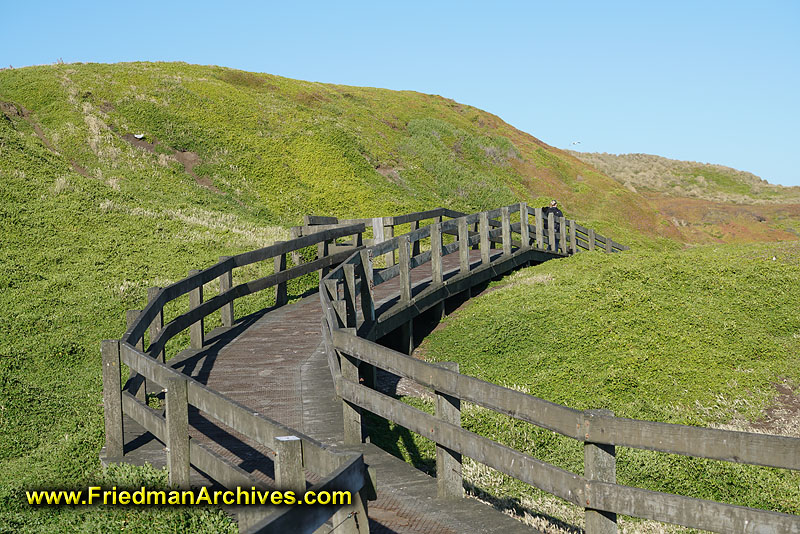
{"points": [[148, 368], [294, 451], [351, 323]]}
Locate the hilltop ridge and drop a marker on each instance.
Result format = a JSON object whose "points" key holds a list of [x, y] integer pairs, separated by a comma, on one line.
{"points": [[706, 202], [275, 149]]}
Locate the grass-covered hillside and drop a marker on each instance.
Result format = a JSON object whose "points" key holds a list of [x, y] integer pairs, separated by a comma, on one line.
{"points": [[277, 148], [116, 178], [706, 336], [706, 203], [645, 172]]}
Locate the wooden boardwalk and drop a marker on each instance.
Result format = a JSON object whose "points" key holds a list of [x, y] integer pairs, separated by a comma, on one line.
{"points": [[274, 362], [303, 369]]}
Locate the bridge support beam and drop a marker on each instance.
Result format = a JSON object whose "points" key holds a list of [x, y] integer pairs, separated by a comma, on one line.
{"points": [[463, 245], [524, 229], [551, 231], [573, 238], [505, 225], [407, 337]]}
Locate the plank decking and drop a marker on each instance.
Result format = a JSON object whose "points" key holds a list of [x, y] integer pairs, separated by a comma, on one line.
{"points": [[274, 363]]}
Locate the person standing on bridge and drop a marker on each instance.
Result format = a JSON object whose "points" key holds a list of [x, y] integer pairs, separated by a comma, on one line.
{"points": [[557, 214]]}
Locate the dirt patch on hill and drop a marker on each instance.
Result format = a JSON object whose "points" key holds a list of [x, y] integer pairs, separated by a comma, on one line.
{"points": [[783, 415], [188, 159], [140, 143]]}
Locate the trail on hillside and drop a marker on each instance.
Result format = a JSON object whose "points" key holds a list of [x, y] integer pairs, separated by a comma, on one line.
{"points": [[10, 110]]}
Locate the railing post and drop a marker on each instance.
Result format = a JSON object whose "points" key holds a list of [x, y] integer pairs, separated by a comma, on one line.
{"points": [[351, 413], [475, 230], [294, 233], [289, 474], [608, 245], [196, 329], [463, 245], [436, 254], [405, 269], [483, 219], [415, 246], [281, 293], [322, 251], [539, 228], [505, 225], [225, 283], [562, 226], [352, 519], [407, 330], [573, 238], [157, 323], [177, 412], [377, 231], [350, 294], [136, 383], [367, 284], [591, 239], [551, 231], [112, 398], [449, 480], [599, 463], [524, 230], [388, 232]]}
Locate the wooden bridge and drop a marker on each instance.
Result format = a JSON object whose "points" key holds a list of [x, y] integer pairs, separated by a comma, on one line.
{"points": [[275, 399]]}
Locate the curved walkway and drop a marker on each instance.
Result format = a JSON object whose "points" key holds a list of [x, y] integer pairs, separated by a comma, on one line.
{"points": [[274, 362]]}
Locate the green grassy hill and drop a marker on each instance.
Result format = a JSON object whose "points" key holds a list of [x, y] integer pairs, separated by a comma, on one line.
{"points": [[648, 173], [91, 215], [116, 178], [706, 336], [706, 203]]}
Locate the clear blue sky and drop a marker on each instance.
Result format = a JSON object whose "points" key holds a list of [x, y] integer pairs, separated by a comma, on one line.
{"points": [[708, 81]]}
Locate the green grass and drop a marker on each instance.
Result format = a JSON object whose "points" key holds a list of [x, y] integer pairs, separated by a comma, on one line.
{"points": [[697, 337], [78, 250], [81, 247]]}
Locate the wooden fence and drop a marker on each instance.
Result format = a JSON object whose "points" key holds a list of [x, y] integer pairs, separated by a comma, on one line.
{"points": [[543, 239], [351, 323], [294, 451]]}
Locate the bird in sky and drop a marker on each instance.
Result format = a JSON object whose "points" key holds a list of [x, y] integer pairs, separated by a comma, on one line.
{"points": [[576, 142]]}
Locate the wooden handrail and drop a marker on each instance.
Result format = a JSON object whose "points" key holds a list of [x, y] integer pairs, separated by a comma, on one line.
{"points": [[205, 276], [597, 431], [352, 269]]}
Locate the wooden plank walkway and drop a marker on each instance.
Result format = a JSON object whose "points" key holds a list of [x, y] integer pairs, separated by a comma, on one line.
{"points": [[274, 363]]}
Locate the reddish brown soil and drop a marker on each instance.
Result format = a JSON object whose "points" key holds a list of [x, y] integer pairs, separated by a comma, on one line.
{"points": [[704, 221], [189, 160]]}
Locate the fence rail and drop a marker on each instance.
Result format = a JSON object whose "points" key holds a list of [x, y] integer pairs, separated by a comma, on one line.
{"points": [[293, 451], [342, 266], [350, 328]]}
